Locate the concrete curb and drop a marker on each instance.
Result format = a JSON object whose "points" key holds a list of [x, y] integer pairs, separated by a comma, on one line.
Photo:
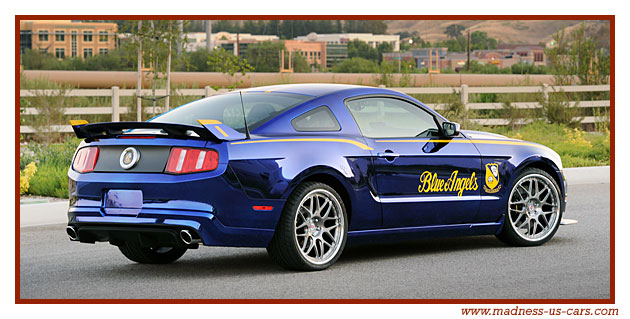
{"points": [[44, 213], [587, 175]]}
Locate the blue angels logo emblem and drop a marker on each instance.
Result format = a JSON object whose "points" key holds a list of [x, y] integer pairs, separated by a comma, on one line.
{"points": [[492, 178]]}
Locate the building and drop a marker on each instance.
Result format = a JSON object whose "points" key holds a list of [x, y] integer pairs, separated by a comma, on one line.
{"points": [[335, 53], [314, 52], [374, 40], [66, 38], [420, 57], [242, 47], [399, 57], [224, 39], [523, 53], [457, 60]]}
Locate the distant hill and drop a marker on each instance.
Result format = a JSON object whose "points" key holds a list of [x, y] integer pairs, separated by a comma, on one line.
{"points": [[515, 31]]}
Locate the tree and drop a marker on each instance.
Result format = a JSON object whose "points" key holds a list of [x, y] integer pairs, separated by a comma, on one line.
{"points": [[384, 47], [300, 63], [195, 61], [365, 26], [454, 30], [453, 45], [412, 40], [358, 48], [156, 38], [230, 65], [265, 56], [289, 29], [479, 40], [576, 57]]}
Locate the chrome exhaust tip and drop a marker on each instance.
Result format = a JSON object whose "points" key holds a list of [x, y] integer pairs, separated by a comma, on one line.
{"points": [[187, 237], [72, 233]]}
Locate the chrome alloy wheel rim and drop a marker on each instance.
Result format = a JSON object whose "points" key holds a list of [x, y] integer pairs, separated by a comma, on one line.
{"points": [[319, 226], [534, 207]]}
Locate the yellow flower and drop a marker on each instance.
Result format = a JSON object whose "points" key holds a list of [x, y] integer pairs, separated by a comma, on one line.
{"points": [[25, 176], [576, 137]]}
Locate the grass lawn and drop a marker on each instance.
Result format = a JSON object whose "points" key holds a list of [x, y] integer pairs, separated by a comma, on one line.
{"points": [[576, 147]]}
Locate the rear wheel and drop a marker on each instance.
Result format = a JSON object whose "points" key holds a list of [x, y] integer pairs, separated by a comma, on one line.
{"points": [[312, 230], [534, 209], [150, 255]]}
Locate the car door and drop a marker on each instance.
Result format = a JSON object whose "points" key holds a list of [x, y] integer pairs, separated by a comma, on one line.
{"points": [[422, 177]]}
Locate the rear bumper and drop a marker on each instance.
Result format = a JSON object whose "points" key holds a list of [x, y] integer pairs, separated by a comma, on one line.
{"points": [[162, 226]]}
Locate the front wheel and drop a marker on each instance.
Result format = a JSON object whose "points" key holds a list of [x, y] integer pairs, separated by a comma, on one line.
{"points": [[312, 230], [534, 209], [150, 255]]}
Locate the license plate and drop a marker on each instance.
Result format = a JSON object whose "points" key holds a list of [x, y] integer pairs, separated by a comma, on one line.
{"points": [[123, 202]]}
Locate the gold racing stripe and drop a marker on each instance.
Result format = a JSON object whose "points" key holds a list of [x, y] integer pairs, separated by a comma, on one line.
{"points": [[220, 130], [365, 147], [207, 122], [338, 140], [465, 141]]}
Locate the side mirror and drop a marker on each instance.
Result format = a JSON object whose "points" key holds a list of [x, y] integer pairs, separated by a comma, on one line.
{"points": [[450, 128]]}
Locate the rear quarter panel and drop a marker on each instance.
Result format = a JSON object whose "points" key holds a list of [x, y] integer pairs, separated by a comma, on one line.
{"points": [[272, 167]]}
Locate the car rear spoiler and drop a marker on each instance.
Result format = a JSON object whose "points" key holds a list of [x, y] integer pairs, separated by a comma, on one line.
{"points": [[213, 130]]}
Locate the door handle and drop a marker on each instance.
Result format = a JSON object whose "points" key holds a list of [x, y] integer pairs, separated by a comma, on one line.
{"points": [[387, 154]]}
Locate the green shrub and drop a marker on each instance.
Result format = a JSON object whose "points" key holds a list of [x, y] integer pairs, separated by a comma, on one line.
{"points": [[52, 154], [50, 180], [356, 65], [53, 162], [556, 108]]}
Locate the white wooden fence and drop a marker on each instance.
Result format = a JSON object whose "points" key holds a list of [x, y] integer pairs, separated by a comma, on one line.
{"points": [[115, 93]]}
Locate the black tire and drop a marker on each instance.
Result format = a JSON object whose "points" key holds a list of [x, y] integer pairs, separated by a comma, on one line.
{"points": [[508, 233], [284, 247], [145, 255]]}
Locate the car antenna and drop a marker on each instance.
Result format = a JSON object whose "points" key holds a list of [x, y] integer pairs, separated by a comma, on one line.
{"points": [[244, 118]]}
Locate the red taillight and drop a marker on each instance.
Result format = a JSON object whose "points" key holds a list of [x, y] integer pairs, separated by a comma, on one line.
{"points": [[183, 160], [85, 160]]}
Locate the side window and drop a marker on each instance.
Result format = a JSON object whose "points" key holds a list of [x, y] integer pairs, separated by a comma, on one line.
{"points": [[317, 120], [382, 117]]}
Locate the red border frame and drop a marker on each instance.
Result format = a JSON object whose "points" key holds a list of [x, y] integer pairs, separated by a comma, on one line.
{"points": [[611, 300]]}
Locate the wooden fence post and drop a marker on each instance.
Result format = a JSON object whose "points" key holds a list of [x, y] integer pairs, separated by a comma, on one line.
{"points": [[464, 94], [545, 91], [115, 104]]}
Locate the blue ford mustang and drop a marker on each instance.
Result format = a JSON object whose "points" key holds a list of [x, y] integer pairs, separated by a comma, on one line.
{"points": [[301, 170]]}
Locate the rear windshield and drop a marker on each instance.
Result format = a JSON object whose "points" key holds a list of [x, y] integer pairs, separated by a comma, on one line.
{"points": [[259, 109]]}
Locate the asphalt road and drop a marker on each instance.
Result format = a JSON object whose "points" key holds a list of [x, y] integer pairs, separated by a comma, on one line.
{"points": [[574, 264]]}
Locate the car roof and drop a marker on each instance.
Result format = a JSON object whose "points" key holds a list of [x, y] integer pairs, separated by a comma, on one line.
{"points": [[310, 89]]}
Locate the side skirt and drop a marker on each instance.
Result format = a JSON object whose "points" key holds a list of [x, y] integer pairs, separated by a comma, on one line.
{"points": [[417, 232]]}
